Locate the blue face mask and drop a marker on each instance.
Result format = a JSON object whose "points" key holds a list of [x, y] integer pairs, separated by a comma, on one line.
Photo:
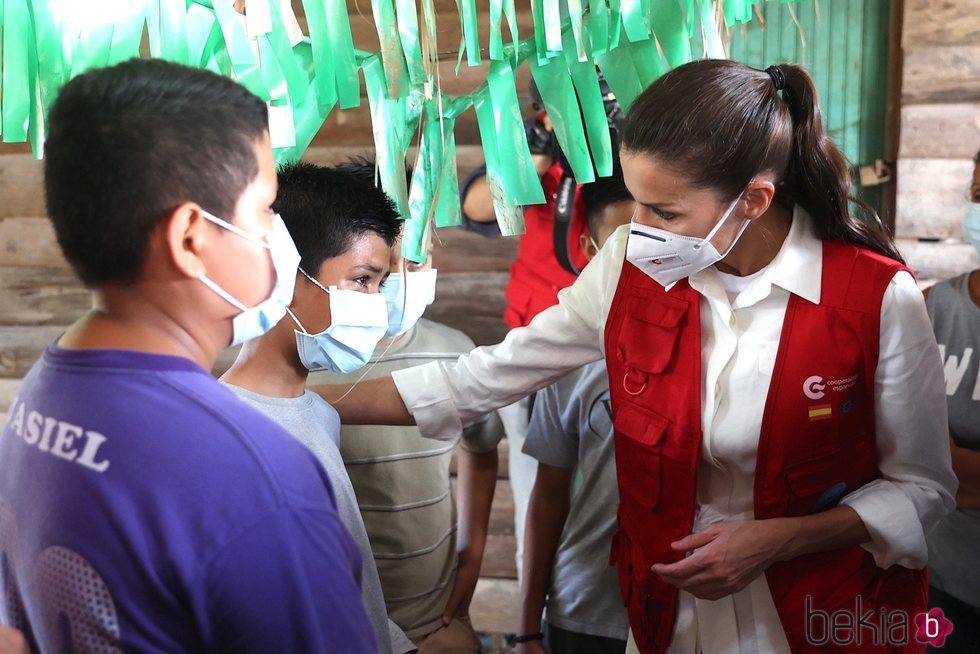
{"points": [[255, 321], [971, 225], [407, 295], [357, 322]]}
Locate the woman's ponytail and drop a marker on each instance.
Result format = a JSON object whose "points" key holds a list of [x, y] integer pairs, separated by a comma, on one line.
{"points": [[817, 175]]}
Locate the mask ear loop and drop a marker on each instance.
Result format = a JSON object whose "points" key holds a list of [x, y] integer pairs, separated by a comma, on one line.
{"points": [[721, 222]]}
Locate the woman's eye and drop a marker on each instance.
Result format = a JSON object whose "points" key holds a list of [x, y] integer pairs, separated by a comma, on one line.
{"points": [[665, 216], [361, 281]]}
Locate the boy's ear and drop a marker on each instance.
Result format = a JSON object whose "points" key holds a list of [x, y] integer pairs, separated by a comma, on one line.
{"points": [[586, 244], [186, 232]]}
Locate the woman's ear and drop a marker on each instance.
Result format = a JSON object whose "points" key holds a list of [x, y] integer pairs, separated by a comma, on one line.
{"points": [[758, 197], [186, 232]]}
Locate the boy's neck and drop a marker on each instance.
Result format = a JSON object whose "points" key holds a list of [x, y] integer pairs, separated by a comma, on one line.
{"points": [[127, 320], [269, 365]]}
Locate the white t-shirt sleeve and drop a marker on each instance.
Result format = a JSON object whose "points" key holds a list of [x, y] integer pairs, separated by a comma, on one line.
{"points": [[444, 396], [917, 485]]}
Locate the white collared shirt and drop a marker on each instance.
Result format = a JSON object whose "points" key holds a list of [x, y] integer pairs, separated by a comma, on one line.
{"points": [[740, 336]]}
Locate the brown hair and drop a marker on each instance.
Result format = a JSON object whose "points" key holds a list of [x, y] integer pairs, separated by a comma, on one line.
{"points": [[721, 123]]}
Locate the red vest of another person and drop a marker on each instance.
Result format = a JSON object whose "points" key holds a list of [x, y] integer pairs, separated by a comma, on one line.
{"points": [[817, 443], [536, 276]]}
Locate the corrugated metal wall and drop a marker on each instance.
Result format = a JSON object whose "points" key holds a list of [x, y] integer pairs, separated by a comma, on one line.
{"points": [[844, 45]]}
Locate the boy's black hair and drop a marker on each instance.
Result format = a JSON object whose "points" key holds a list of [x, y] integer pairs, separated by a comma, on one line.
{"points": [[599, 194], [364, 169], [128, 144], [325, 209]]}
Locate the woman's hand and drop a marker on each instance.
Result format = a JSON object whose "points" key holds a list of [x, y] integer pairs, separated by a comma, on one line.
{"points": [[727, 556]]}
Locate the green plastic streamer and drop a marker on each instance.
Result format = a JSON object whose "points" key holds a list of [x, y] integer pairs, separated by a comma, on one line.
{"points": [[620, 72], [615, 24], [425, 183], [582, 50], [552, 26], [471, 33], [168, 31], [17, 46], [388, 122], [408, 32], [200, 25], [510, 215], [342, 48], [510, 11], [323, 57], [586, 83], [239, 49], [520, 179], [634, 20], [52, 72], [126, 37], [599, 26], [496, 40], [396, 70], [297, 83], [713, 46], [667, 20], [447, 209], [558, 93], [647, 61], [540, 41]]}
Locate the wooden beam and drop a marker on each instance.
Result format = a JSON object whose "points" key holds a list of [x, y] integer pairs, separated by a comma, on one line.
{"points": [[30, 242], [934, 74], [932, 196], [21, 346], [941, 22], [940, 131], [41, 296]]}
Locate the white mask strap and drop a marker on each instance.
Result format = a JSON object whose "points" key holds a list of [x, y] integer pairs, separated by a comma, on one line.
{"points": [[234, 230], [721, 222], [222, 293]]}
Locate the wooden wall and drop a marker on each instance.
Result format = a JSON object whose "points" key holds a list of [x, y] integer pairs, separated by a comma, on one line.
{"points": [[940, 133]]}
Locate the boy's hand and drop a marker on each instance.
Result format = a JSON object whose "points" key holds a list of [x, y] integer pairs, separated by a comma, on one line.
{"points": [[12, 642]]}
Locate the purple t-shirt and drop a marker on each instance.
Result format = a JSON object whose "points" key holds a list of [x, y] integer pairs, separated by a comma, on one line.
{"points": [[145, 508]]}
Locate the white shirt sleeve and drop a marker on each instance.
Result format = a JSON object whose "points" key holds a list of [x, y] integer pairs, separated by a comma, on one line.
{"points": [[443, 396], [917, 485]]}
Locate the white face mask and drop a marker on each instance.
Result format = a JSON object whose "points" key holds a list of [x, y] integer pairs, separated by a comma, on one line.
{"points": [[668, 258], [357, 322], [255, 321], [971, 225], [407, 295]]}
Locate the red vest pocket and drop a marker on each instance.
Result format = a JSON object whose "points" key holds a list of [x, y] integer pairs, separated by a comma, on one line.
{"points": [[640, 435]]}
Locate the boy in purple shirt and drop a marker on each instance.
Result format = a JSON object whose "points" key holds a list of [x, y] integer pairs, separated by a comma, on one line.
{"points": [[143, 507]]}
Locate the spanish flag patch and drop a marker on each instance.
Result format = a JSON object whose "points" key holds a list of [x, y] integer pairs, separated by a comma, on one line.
{"points": [[821, 412]]}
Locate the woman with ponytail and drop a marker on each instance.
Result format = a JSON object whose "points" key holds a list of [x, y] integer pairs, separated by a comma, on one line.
{"points": [[777, 393]]}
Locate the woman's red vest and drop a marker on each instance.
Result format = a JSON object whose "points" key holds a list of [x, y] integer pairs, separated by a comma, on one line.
{"points": [[817, 443]]}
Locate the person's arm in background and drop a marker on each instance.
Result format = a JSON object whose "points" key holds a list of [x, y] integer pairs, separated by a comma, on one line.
{"points": [[475, 190], [966, 465], [547, 510], [476, 478], [553, 442]]}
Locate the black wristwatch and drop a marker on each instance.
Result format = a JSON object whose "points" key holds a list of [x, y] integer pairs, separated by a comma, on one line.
{"points": [[527, 638]]}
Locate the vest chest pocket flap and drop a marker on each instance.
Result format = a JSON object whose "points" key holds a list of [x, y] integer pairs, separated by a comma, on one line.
{"points": [[639, 438], [649, 337]]}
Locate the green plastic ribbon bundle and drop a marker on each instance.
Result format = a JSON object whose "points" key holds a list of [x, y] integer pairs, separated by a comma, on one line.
{"points": [[303, 78]]}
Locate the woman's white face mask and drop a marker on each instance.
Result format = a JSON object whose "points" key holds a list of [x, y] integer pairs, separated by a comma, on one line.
{"points": [[668, 258]]}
